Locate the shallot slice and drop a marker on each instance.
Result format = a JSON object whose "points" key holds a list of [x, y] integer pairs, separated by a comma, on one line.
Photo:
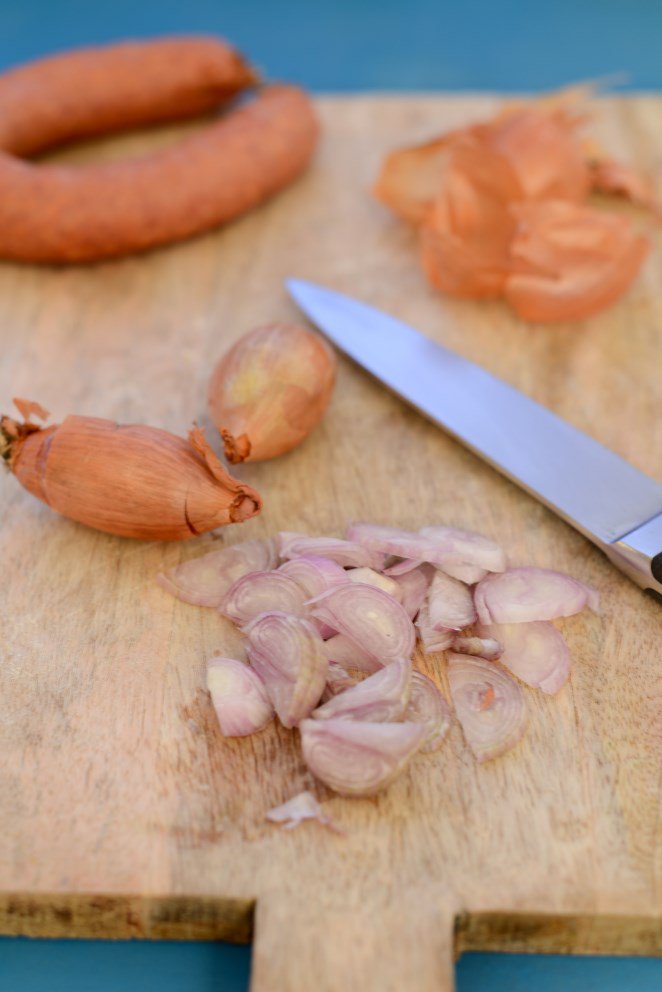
{"points": [[314, 574], [402, 567], [389, 540], [370, 618], [483, 647], [288, 655], [456, 547], [349, 554], [433, 640], [204, 581], [450, 603], [428, 706], [381, 698], [239, 696], [414, 585], [337, 681], [262, 592], [529, 593], [489, 705], [615, 178], [346, 653], [369, 577], [358, 759], [301, 807], [535, 652]]}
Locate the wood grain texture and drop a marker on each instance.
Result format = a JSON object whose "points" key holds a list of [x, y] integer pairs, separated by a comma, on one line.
{"points": [[123, 812]]}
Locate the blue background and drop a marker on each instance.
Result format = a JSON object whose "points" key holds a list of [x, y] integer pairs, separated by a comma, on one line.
{"points": [[348, 45]]}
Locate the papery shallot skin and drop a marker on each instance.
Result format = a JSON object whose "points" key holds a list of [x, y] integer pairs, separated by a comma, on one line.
{"points": [[239, 697], [133, 481], [301, 807], [356, 758]]}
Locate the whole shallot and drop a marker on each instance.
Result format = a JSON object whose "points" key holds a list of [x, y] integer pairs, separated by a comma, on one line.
{"points": [[270, 389], [130, 480]]}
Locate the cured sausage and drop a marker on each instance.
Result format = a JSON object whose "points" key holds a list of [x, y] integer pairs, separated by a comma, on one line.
{"points": [[58, 213]]}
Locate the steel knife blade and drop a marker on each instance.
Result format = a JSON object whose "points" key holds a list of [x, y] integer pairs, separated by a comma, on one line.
{"points": [[612, 503]]}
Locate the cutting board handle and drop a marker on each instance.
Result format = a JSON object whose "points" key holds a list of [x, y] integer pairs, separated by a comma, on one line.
{"points": [[404, 946]]}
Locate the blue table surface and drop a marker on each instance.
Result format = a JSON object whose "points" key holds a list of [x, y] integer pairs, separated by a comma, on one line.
{"points": [[334, 45]]}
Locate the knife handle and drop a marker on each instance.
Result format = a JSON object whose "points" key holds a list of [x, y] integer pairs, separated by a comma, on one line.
{"points": [[639, 554]]}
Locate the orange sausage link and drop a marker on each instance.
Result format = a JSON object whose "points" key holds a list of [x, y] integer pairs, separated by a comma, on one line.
{"points": [[54, 213]]}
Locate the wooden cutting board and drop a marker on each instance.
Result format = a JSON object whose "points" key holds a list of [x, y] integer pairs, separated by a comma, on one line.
{"points": [[123, 812]]}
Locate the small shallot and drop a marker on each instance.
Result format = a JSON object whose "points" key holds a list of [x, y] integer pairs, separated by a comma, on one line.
{"points": [[203, 581], [450, 603], [489, 705], [262, 592], [288, 655], [349, 554], [428, 706], [524, 594], [381, 698], [370, 618], [301, 807], [270, 390], [239, 697], [130, 480], [359, 759], [535, 652]]}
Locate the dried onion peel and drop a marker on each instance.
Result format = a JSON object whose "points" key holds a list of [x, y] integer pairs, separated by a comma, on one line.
{"points": [[132, 480], [270, 390], [483, 197]]}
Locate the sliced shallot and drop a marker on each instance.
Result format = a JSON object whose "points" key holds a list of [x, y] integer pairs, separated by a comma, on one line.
{"points": [[483, 647], [204, 581], [262, 592], [314, 574], [301, 807], [433, 640], [381, 698], [239, 696], [288, 655], [450, 603], [346, 653], [349, 554], [428, 706], [489, 705], [529, 593], [369, 577], [535, 652], [414, 585], [370, 618], [388, 540], [464, 547], [356, 758], [338, 680]]}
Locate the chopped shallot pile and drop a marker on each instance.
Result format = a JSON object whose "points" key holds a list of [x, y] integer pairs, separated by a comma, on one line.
{"points": [[501, 210], [330, 631]]}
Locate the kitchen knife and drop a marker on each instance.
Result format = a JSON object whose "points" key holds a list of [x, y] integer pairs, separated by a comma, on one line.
{"points": [[614, 505]]}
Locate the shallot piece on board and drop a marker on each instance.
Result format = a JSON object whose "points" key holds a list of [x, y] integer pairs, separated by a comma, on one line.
{"points": [[414, 585], [613, 178], [465, 548], [203, 581], [270, 390], [357, 758], [288, 655], [239, 697], [489, 705], [348, 554], [483, 647], [369, 577], [428, 706], [388, 540], [381, 698], [370, 618], [338, 680], [535, 652], [346, 653], [450, 603], [529, 593], [315, 575], [133, 481], [433, 640], [301, 807], [262, 592]]}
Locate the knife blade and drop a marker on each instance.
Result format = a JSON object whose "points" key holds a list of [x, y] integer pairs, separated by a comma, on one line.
{"points": [[612, 503]]}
